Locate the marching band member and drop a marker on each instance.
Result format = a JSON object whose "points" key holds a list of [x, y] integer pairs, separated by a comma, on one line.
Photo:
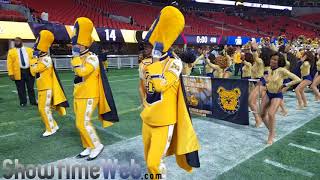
{"points": [[274, 86], [307, 60], [50, 91], [167, 127], [91, 90], [237, 61], [146, 60]]}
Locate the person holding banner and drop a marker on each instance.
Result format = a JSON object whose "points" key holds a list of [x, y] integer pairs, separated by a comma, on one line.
{"points": [[274, 86], [167, 127], [91, 90], [50, 91]]}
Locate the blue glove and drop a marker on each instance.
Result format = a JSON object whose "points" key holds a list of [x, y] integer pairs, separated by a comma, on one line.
{"points": [[157, 50], [36, 53], [75, 50]]}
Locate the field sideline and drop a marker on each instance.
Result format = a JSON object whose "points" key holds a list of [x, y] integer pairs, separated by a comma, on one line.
{"points": [[296, 156]]}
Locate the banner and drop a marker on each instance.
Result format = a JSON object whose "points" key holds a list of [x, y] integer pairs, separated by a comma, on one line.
{"points": [[224, 99], [59, 31], [198, 94], [230, 100]]}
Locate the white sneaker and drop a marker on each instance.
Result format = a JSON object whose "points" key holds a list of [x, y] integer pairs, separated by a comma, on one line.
{"points": [[163, 170], [47, 133], [95, 152], [84, 153]]}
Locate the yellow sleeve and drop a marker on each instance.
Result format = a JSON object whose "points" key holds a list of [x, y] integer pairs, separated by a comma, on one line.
{"points": [[163, 82], [37, 67], [85, 70], [295, 79], [246, 63], [10, 63]]}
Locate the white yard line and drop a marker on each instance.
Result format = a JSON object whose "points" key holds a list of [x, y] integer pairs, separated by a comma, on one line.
{"points": [[14, 91], [304, 148], [7, 135], [289, 168], [6, 123], [111, 133], [314, 133], [4, 86]]}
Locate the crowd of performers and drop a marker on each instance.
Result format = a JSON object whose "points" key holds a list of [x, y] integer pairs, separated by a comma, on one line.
{"points": [[272, 70], [167, 127]]}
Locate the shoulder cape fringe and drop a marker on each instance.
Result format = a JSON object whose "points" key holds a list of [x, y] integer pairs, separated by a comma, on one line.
{"points": [[107, 108], [60, 101], [184, 144]]}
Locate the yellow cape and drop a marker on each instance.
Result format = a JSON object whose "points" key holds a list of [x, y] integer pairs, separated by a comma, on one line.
{"points": [[106, 107], [60, 102], [184, 144]]}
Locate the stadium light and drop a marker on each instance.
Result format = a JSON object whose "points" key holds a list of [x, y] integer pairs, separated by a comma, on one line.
{"points": [[247, 4]]}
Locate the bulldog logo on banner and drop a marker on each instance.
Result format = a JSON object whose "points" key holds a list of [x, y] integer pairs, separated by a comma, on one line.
{"points": [[229, 99]]}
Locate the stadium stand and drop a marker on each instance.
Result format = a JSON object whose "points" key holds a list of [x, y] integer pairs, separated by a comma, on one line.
{"points": [[9, 15], [217, 21]]}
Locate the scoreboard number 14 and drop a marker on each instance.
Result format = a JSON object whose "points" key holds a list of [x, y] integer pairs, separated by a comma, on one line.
{"points": [[110, 34]]}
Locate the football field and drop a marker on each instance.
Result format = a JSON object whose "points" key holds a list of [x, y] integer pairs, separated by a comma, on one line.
{"points": [[228, 151]]}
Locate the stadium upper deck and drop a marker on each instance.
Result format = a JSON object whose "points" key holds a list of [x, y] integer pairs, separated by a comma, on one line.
{"points": [[218, 21]]}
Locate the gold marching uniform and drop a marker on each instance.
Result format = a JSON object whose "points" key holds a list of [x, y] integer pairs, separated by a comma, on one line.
{"points": [[50, 91], [13, 62], [167, 127], [143, 64], [91, 88]]}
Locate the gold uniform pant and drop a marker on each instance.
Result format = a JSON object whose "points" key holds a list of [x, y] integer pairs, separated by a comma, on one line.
{"points": [[83, 108], [45, 110], [156, 140]]}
